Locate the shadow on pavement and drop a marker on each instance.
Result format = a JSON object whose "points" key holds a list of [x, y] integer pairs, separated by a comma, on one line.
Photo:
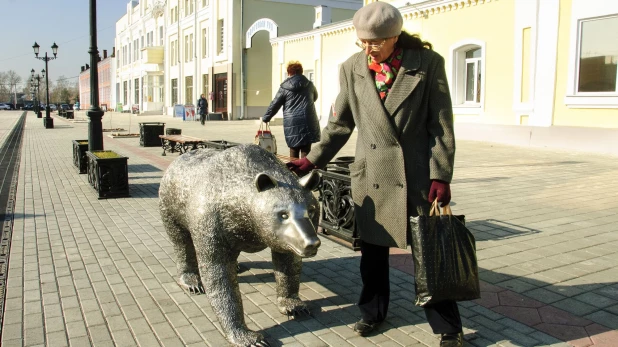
{"points": [[133, 168], [500, 312], [143, 190]]}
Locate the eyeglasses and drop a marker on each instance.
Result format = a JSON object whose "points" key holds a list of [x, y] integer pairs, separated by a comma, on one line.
{"points": [[372, 47]]}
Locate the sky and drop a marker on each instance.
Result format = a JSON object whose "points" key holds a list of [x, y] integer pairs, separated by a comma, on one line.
{"points": [[66, 22]]}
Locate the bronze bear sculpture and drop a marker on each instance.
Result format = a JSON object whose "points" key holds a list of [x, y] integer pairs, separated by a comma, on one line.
{"points": [[216, 204]]}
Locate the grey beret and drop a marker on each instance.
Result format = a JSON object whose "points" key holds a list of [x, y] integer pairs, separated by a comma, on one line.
{"points": [[377, 20]]}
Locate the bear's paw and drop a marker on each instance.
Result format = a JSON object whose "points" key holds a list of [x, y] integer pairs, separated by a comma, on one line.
{"points": [[292, 306], [248, 338], [192, 283]]}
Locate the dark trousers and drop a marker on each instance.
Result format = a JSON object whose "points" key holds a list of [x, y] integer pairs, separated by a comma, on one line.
{"points": [[443, 317], [300, 152], [202, 118]]}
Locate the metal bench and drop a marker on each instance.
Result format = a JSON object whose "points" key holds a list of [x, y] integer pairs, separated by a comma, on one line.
{"points": [[180, 143]]}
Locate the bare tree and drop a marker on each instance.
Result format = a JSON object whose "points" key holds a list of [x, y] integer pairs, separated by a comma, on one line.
{"points": [[13, 79], [4, 87]]}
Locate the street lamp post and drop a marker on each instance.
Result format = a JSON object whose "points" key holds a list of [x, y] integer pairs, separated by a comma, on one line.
{"points": [[36, 83], [48, 121], [95, 113]]}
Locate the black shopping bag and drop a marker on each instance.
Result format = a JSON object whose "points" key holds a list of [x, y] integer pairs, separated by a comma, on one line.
{"points": [[444, 253]]}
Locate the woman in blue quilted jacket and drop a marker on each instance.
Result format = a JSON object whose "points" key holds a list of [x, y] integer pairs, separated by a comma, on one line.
{"points": [[300, 122]]}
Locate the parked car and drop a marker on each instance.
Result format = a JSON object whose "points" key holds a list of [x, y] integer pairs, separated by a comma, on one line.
{"points": [[5, 107], [65, 107], [53, 107], [76, 106]]}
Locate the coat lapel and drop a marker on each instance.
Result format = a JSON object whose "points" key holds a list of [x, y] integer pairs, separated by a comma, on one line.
{"points": [[365, 89], [405, 82]]}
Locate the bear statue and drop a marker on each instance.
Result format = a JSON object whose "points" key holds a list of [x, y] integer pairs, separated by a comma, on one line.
{"points": [[215, 204]]}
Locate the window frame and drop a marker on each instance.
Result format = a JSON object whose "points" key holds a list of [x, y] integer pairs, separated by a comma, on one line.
{"points": [[457, 76], [581, 11]]}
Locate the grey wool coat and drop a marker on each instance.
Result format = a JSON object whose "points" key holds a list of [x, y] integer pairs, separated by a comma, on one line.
{"points": [[402, 143]]}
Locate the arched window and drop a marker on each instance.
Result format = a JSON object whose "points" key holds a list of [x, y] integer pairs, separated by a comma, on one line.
{"points": [[468, 77]]}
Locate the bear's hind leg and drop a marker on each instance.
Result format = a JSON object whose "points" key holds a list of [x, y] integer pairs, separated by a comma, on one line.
{"points": [[186, 259], [287, 275]]}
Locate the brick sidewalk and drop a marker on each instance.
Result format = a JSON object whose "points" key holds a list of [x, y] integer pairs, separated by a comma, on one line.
{"points": [[101, 272]]}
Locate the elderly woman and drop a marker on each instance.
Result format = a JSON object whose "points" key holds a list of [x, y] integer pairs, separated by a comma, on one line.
{"points": [[300, 122], [396, 94]]}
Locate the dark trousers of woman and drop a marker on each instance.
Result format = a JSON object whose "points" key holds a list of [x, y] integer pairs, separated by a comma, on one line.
{"points": [[300, 152], [443, 317]]}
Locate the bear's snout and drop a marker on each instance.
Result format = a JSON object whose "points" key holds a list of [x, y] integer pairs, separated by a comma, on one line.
{"points": [[300, 237]]}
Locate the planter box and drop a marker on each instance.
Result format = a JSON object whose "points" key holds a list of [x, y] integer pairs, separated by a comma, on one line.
{"points": [[149, 134], [80, 147], [108, 174]]}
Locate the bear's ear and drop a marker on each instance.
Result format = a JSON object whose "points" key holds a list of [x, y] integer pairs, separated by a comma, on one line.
{"points": [[264, 182], [310, 181]]}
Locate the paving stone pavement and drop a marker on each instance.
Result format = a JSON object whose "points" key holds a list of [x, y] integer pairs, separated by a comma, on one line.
{"points": [[88, 272]]}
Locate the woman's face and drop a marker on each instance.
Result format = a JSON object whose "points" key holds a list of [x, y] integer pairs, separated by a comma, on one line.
{"points": [[380, 49]]}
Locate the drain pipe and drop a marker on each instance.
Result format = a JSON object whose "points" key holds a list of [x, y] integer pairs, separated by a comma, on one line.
{"points": [[195, 74], [242, 63]]}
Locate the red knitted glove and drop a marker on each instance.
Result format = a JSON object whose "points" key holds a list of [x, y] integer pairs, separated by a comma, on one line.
{"points": [[440, 190], [301, 166]]}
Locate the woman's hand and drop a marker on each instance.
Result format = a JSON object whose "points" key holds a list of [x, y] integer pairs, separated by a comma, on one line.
{"points": [[301, 166], [440, 190]]}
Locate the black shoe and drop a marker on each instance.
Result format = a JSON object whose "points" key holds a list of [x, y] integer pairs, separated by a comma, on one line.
{"points": [[363, 327], [452, 340]]}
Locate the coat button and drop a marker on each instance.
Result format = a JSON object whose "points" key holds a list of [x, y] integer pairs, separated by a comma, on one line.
{"points": [[373, 146], [400, 185], [376, 186]]}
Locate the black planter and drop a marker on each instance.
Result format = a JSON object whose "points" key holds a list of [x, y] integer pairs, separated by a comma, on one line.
{"points": [[39, 114], [80, 147], [108, 176], [48, 123], [337, 206], [149, 134]]}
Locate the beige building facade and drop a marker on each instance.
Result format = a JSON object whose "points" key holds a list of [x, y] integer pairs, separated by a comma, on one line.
{"points": [[537, 72]]}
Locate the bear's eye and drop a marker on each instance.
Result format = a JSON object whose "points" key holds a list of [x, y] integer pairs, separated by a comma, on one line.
{"points": [[284, 215]]}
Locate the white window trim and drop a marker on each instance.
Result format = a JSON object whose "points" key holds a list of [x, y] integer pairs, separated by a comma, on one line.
{"points": [[582, 10], [457, 52]]}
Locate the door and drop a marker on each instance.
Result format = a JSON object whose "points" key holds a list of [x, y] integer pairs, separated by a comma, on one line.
{"points": [[220, 97]]}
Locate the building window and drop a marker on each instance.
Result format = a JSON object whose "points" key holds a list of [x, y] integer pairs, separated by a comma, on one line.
{"points": [[136, 89], [205, 84], [598, 56], [191, 54], [161, 35], [188, 7], [221, 29], [205, 42], [125, 90], [467, 82], [473, 76], [129, 58], [174, 91], [189, 90], [310, 75], [204, 3]]}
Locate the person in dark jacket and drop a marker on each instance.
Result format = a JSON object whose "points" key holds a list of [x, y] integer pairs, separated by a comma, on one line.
{"points": [[202, 105], [300, 122]]}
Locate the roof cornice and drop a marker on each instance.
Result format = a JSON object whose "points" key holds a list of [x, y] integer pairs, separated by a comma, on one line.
{"points": [[410, 12]]}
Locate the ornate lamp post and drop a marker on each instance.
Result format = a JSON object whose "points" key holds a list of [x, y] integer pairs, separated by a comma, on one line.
{"points": [[47, 121], [36, 83], [95, 127]]}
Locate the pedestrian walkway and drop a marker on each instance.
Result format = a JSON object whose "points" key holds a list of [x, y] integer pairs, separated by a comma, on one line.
{"points": [[94, 272]]}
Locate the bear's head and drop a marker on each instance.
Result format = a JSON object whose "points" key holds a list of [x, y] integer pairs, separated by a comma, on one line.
{"points": [[287, 214]]}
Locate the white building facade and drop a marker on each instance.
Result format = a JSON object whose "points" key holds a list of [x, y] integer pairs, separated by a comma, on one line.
{"points": [[170, 52]]}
